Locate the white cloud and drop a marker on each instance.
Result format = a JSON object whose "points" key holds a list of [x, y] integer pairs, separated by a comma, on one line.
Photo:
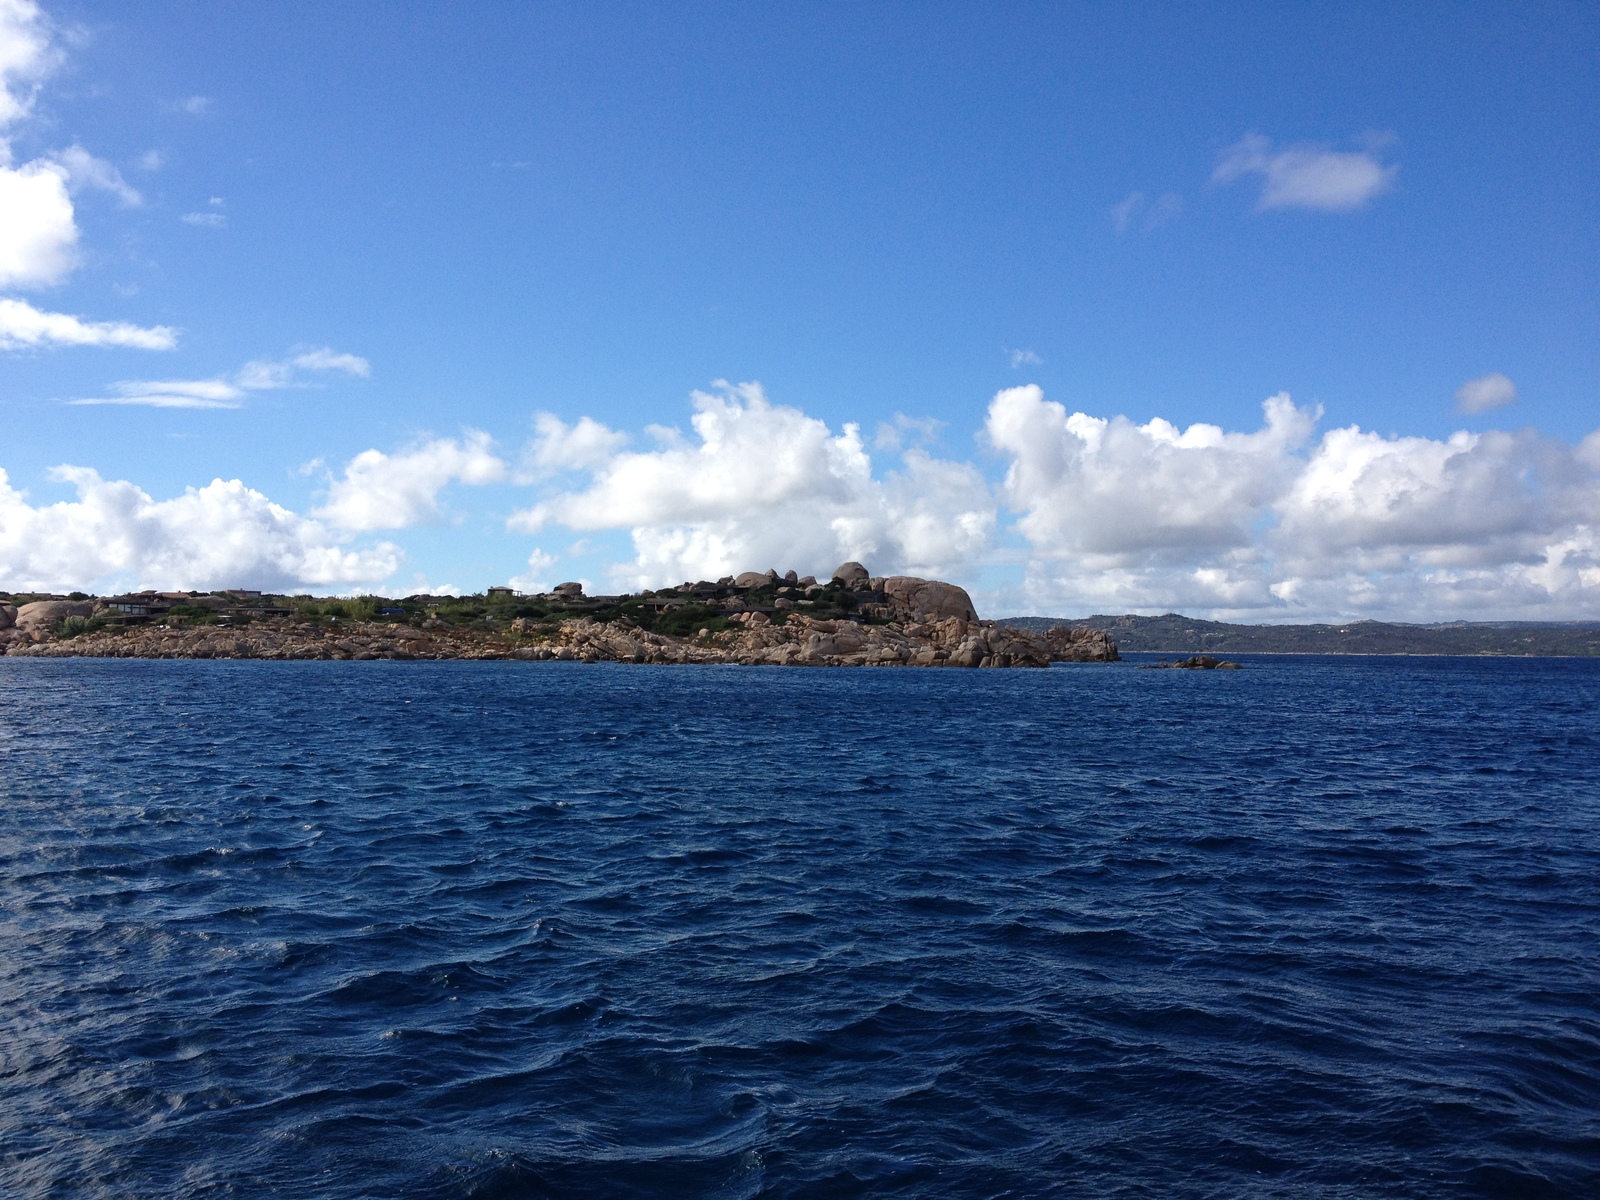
{"points": [[557, 446], [257, 376], [1121, 517], [38, 236], [326, 359], [207, 220], [1306, 175], [23, 326], [193, 106], [26, 57], [38, 229], [767, 484], [537, 578], [1121, 492], [114, 536], [83, 170], [1487, 391], [170, 393], [1104, 514], [381, 491], [1024, 358]]}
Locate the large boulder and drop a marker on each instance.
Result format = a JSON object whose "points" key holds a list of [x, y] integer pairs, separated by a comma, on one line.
{"points": [[571, 591], [8, 615], [928, 599], [752, 579], [43, 614], [852, 575]]}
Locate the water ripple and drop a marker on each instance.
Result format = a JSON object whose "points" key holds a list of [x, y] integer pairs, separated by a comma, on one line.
{"points": [[1320, 927]]}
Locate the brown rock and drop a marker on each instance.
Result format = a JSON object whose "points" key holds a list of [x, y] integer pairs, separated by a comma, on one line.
{"points": [[928, 599], [42, 614], [852, 574]]}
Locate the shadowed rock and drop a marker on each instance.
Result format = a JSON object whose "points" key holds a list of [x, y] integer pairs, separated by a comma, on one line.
{"points": [[853, 575]]}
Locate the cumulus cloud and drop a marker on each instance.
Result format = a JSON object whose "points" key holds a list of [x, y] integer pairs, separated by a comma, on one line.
{"points": [[557, 446], [1119, 491], [261, 375], [1306, 175], [764, 483], [38, 234], [382, 491], [1120, 517], [24, 326], [1493, 390], [114, 535], [1105, 514]]}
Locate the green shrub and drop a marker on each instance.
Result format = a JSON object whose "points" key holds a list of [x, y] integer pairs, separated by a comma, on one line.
{"points": [[71, 627], [191, 614]]}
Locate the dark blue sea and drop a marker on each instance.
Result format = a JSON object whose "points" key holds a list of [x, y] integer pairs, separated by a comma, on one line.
{"points": [[1323, 927]]}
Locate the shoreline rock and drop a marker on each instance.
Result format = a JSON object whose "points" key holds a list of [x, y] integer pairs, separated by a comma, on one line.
{"points": [[799, 641], [1199, 662]]}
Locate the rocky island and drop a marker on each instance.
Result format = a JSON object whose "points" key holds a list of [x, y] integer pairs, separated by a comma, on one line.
{"points": [[854, 619]]}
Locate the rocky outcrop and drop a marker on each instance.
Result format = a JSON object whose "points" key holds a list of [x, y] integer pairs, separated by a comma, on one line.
{"points": [[1070, 643], [1200, 662], [8, 615], [928, 599]]}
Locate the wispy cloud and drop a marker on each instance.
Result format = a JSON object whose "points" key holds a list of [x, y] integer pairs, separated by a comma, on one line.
{"points": [[1307, 175], [207, 220], [1493, 390], [83, 170], [325, 359], [1137, 209], [1024, 358], [229, 392], [191, 106], [904, 432], [171, 393], [24, 326]]}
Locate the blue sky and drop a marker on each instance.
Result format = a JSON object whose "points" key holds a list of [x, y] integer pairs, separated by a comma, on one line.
{"points": [[436, 219]]}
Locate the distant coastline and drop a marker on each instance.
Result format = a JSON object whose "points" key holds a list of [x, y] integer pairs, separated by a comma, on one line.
{"points": [[1173, 633]]}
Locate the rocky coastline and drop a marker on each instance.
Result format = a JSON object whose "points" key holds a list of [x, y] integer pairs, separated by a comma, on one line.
{"points": [[753, 619]]}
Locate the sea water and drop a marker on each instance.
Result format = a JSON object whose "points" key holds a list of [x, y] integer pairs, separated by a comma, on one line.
{"points": [[1320, 927]]}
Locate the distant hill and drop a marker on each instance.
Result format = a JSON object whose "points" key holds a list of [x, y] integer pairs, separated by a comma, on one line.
{"points": [[1175, 634]]}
